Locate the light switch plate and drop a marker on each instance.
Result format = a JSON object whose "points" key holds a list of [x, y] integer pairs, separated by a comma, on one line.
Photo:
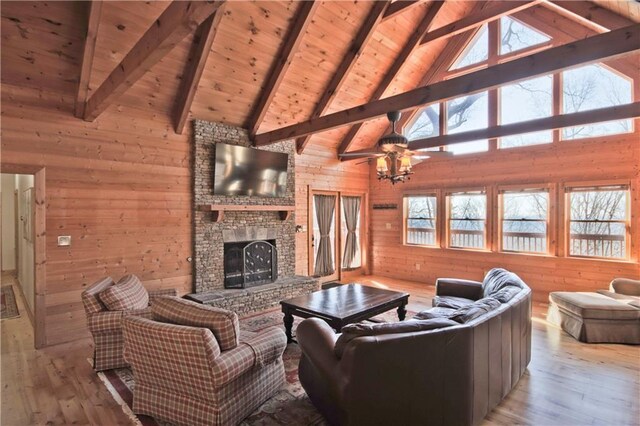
{"points": [[64, 240]]}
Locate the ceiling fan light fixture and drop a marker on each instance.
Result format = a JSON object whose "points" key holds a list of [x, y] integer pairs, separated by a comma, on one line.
{"points": [[381, 165], [405, 164]]}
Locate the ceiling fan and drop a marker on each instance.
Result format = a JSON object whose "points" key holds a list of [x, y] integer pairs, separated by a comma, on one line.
{"points": [[394, 158]]}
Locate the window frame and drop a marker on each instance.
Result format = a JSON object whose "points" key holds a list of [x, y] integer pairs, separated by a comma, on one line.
{"points": [[549, 222], [487, 243], [405, 219], [570, 187]]}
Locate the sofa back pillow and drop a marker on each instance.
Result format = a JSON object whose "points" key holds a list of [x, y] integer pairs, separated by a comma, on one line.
{"points": [[475, 310], [505, 294], [497, 279], [126, 295], [353, 331], [223, 324]]}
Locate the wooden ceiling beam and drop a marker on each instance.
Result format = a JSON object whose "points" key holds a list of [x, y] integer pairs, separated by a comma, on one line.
{"points": [[409, 47], [95, 10], [582, 52], [202, 43], [290, 45], [474, 20], [348, 61], [589, 14], [178, 20], [619, 112], [398, 7]]}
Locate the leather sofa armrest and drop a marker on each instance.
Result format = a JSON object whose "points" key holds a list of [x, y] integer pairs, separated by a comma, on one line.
{"points": [[625, 286], [459, 288], [317, 341]]}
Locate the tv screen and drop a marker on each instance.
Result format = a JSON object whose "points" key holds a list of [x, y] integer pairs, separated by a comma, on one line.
{"points": [[248, 171]]}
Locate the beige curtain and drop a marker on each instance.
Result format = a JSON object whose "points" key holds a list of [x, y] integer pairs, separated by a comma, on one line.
{"points": [[325, 205], [351, 207]]}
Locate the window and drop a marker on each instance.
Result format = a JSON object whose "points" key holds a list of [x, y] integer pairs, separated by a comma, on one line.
{"points": [[420, 222], [598, 221], [476, 51], [464, 114], [524, 220], [467, 220], [592, 87], [515, 36], [525, 101], [425, 124]]}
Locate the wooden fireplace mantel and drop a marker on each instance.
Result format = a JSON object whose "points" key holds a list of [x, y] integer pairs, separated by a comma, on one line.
{"points": [[219, 209]]}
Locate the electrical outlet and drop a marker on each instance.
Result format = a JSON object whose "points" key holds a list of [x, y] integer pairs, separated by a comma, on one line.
{"points": [[417, 266], [388, 225], [64, 240]]}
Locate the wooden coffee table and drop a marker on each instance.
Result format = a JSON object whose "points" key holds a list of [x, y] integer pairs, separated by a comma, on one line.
{"points": [[342, 305]]}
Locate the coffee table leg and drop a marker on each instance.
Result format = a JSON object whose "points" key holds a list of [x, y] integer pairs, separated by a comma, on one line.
{"points": [[288, 326], [402, 311]]}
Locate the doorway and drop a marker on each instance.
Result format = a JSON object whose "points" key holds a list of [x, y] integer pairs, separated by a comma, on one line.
{"points": [[23, 228], [337, 235]]}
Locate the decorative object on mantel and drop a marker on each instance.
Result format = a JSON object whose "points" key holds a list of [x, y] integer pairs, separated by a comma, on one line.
{"points": [[394, 158], [219, 209], [385, 207]]}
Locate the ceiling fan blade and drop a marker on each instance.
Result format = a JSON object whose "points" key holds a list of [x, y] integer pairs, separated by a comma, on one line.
{"points": [[361, 154], [427, 154], [416, 160]]}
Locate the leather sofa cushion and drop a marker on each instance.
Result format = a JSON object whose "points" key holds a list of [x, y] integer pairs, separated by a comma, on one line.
{"points": [[497, 279], [452, 302], [126, 295], [505, 294], [475, 310], [223, 324], [437, 312], [353, 331], [594, 306]]}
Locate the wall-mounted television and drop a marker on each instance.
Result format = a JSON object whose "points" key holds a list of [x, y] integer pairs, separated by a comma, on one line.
{"points": [[249, 171]]}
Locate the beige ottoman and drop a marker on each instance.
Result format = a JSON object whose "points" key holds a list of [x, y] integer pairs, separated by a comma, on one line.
{"points": [[595, 318]]}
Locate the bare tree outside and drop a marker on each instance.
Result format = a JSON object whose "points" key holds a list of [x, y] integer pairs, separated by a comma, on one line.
{"points": [[421, 220], [467, 217]]}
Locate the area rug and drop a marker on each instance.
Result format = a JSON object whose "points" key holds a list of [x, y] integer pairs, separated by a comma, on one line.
{"points": [[290, 406], [9, 307]]}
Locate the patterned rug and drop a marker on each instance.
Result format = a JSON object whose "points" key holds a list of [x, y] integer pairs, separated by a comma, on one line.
{"points": [[290, 406], [9, 308]]}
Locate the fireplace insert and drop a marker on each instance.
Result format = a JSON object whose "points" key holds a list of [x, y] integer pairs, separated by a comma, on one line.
{"points": [[249, 264]]}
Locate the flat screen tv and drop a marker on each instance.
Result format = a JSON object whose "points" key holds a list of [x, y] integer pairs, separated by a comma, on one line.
{"points": [[248, 171]]}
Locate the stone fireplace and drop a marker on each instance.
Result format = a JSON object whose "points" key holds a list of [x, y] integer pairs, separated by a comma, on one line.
{"points": [[246, 260]]}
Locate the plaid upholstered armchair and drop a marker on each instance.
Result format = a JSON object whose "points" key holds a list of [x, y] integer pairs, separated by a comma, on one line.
{"points": [[191, 367], [104, 320]]}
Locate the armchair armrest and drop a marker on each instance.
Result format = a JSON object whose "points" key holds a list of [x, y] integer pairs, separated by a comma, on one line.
{"points": [[111, 321], [317, 341], [262, 349], [459, 288], [625, 286], [162, 292]]}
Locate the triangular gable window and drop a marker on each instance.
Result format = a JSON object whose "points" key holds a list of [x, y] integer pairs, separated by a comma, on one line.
{"points": [[476, 51], [515, 36]]}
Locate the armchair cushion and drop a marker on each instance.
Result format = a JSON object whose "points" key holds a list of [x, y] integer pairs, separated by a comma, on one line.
{"points": [[127, 294], [90, 298], [497, 279], [223, 324], [111, 321], [353, 331]]}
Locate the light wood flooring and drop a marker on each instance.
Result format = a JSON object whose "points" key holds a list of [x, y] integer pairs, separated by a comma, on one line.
{"points": [[567, 382]]}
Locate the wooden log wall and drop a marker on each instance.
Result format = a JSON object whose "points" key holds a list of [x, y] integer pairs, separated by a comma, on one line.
{"points": [[569, 161]]}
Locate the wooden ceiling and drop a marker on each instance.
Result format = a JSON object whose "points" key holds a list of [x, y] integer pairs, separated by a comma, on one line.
{"points": [[245, 49]]}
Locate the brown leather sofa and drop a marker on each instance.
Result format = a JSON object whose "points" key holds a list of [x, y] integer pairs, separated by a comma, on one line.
{"points": [[442, 374]]}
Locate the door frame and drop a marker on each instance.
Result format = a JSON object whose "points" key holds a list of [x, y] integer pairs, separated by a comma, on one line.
{"points": [[364, 231], [39, 246]]}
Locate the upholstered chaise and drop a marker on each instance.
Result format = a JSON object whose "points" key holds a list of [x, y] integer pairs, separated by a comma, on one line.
{"points": [[106, 325], [606, 316], [191, 367]]}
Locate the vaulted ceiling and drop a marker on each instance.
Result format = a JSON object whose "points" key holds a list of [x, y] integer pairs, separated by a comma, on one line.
{"points": [[246, 47]]}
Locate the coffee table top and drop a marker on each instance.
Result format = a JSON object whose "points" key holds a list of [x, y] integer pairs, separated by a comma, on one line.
{"points": [[344, 301]]}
